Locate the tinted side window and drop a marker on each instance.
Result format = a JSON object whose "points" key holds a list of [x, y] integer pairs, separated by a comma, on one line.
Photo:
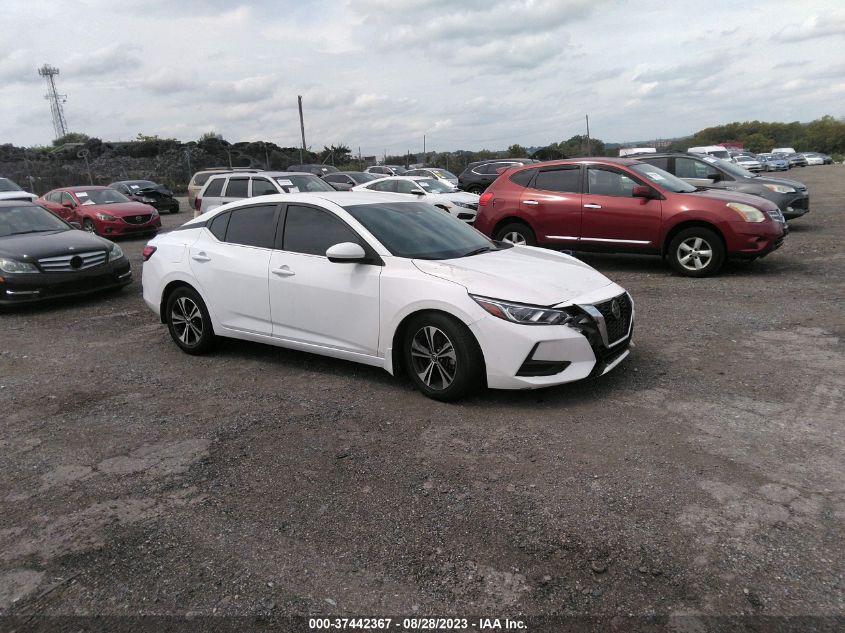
{"points": [[252, 226], [333, 178], [262, 187], [662, 162], [565, 180], [691, 168], [387, 185], [237, 188], [200, 179], [66, 197], [523, 177], [55, 196], [406, 186], [215, 188], [312, 231], [218, 226], [603, 182]]}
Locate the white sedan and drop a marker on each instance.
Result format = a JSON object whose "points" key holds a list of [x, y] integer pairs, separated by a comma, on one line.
{"points": [[386, 282], [461, 204]]}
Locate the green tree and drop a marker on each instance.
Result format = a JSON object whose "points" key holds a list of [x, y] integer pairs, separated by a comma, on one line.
{"points": [[71, 137], [517, 151]]}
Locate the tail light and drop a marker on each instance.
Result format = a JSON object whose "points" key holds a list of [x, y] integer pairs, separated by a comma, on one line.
{"points": [[197, 203], [148, 252], [485, 198]]}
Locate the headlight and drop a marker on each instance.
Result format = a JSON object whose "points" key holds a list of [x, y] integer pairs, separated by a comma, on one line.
{"points": [[115, 253], [748, 213], [780, 188], [521, 313], [105, 217], [465, 205], [147, 200], [14, 266]]}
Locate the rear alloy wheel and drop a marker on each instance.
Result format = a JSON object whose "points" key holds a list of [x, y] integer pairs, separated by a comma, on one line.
{"points": [[188, 321], [517, 233], [88, 225], [696, 252], [476, 189], [442, 357]]}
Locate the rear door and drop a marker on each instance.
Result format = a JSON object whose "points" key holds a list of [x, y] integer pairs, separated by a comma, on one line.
{"points": [[53, 203], [315, 301], [230, 261], [612, 217], [551, 204], [695, 171]]}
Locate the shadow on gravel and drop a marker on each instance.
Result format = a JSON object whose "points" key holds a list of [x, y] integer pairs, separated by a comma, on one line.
{"points": [[70, 303]]}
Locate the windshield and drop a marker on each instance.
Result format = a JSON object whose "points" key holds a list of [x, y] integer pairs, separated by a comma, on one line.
{"points": [[419, 230], [100, 196], [662, 179], [732, 168], [8, 185], [28, 219], [297, 183], [442, 173], [430, 185], [361, 176]]}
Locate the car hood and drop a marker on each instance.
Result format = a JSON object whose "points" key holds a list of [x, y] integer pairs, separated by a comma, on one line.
{"points": [[32, 246], [17, 195], [119, 209], [735, 196], [523, 274], [765, 180]]}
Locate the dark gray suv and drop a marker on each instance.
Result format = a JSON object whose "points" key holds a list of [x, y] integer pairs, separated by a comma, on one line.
{"points": [[709, 172]]}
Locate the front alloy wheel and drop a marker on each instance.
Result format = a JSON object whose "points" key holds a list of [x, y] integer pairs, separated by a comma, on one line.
{"points": [[442, 357], [188, 321], [696, 252], [88, 225]]}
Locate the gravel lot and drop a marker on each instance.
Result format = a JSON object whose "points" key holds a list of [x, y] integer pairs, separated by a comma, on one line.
{"points": [[703, 477]]}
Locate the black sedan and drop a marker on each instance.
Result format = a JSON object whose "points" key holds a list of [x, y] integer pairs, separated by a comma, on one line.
{"points": [[148, 192], [345, 180], [44, 257]]}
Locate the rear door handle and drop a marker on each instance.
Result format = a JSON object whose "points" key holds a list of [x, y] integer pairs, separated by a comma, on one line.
{"points": [[533, 203], [284, 271], [592, 206], [201, 257]]}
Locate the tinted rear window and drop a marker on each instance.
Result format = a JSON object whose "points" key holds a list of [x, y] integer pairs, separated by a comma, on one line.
{"points": [[252, 226], [523, 177], [563, 180], [237, 188], [215, 188]]}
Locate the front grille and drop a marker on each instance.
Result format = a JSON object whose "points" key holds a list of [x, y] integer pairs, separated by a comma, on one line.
{"points": [[617, 328], [72, 262], [137, 219], [800, 203], [776, 215]]}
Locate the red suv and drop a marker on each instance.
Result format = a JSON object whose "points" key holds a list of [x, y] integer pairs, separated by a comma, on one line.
{"points": [[618, 204]]}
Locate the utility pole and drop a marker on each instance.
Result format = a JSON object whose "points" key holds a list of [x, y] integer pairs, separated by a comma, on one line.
{"points": [[423, 146], [302, 129], [56, 100], [589, 144]]}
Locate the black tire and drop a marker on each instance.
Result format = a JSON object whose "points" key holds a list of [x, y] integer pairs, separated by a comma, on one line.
{"points": [[188, 321], [88, 225], [517, 233], [442, 357], [696, 252], [476, 189]]}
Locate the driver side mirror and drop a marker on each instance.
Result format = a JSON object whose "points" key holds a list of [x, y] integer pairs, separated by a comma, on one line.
{"points": [[76, 225], [69, 204], [642, 191], [715, 176], [418, 192], [346, 253]]}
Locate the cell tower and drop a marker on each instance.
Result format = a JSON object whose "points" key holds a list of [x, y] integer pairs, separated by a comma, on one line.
{"points": [[56, 100]]}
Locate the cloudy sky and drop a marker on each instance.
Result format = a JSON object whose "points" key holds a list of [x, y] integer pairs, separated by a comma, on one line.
{"points": [[380, 74]]}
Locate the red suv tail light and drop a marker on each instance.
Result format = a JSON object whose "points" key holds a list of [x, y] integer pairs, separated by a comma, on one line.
{"points": [[148, 251], [485, 198]]}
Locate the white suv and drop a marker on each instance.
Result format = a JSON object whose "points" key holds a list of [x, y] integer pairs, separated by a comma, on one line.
{"points": [[223, 188]]}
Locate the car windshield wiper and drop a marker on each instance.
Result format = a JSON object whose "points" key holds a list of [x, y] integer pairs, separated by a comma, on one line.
{"points": [[478, 251]]}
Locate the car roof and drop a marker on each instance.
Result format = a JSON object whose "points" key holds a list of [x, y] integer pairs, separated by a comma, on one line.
{"points": [[612, 160], [80, 188]]}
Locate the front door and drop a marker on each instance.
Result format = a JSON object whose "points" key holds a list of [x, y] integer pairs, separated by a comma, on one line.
{"points": [[614, 219], [230, 261], [315, 301]]}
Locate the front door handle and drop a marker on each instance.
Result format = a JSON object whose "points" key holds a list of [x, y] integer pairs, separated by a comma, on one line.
{"points": [[201, 257], [533, 203], [284, 271], [592, 206]]}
